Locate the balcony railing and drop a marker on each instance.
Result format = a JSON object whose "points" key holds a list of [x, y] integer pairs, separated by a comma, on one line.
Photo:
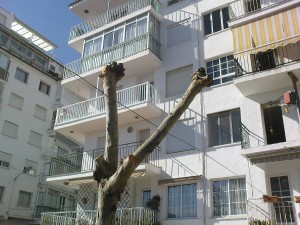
{"points": [[250, 139], [112, 15], [83, 162], [132, 216], [282, 213], [128, 97], [115, 53], [249, 63], [241, 8]]}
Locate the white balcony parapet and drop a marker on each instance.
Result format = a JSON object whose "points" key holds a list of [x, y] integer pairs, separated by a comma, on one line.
{"points": [[115, 53], [112, 15], [136, 215], [128, 97]]}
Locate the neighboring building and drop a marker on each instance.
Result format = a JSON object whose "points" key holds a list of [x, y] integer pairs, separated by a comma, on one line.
{"points": [[29, 94], [239, 142]]}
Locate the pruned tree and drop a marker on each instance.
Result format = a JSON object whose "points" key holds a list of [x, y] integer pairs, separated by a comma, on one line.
{"points": [[111, 178]]}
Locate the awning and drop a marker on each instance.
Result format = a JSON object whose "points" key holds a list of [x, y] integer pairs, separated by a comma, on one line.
{"points": [[267, 33]]}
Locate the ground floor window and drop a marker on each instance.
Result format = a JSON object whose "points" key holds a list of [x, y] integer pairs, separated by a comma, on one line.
{"points": [[229, 197], [182, 201], [283, 210]]}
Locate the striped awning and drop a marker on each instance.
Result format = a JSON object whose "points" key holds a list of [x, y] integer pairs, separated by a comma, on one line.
{"points": [[267, 33]]}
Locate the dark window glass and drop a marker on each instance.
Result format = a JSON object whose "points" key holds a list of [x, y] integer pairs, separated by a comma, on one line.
{"points": [[207, 24], [216, 19], [225, 14]]}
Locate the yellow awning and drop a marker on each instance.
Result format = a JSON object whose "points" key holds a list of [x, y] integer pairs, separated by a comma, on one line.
{"points": [[267, 33]]}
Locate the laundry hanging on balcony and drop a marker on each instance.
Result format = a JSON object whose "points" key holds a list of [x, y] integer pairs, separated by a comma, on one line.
{"points": [[267, 33]]}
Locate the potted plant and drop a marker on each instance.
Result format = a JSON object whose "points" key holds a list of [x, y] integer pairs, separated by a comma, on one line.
{"points": [[297, 199], [154, 203], [259, 222]]}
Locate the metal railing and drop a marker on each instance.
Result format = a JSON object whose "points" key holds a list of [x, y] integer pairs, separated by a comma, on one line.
{"points": [[249, 139], [112, 15], [135, 95], [263, 213], [83, 162], [132, 216], [241, 8], [257, 62], [115, 53]]}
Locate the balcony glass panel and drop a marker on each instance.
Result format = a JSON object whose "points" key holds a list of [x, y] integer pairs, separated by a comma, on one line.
{"points": [[118, 43], [112, 15]]}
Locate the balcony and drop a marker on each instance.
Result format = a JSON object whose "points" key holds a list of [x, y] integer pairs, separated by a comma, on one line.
{"points": [[263, 71], [242, 8], [25, 51], [111, 16], [144, 49], [89, 115], [74, 168], [270, 149], [282, 212], [133, 216]]}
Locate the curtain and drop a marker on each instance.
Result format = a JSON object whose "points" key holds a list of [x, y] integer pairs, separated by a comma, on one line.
{"points": [[88, 49], [118, 36], [141, 27], [108, 40], [130, 31]]}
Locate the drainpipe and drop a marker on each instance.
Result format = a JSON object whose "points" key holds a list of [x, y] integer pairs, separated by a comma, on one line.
{"points": [[294, 81]]}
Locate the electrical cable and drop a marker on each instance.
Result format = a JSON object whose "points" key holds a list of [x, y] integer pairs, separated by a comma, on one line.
{"points": [[145, 119]]}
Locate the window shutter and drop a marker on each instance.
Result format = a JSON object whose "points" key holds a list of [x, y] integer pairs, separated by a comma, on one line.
{"points": [[40, 112], [35, 139], [178, 80], [16, 101], [10, 129]]}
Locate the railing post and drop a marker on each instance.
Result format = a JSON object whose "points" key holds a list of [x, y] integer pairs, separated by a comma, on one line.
{"points": [[147, 91]]}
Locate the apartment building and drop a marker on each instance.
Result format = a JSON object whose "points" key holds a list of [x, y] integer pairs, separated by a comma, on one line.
{"points": [[29, 94], [233, 157]]}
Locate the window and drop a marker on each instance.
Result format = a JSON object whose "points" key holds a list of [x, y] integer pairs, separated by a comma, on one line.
{"points": [[146, 196], [221, 70], [224, 127], [185, 129], [284, 210], [24, 199], [21, 75], [5, 159], [229, 197], [175, 77], [52, 199], [216, 21], [10, 129], [2, 189], [45, 88], [59, 151], [172, 2], [40, 112], [183, 28], [182, 201], [16, 101], [4, 65], [266, 60], [35, 139]]}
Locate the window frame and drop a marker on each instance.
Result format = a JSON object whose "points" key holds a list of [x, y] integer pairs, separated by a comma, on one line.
{"points": [[144, 203], [21, 204], [220, 64], [220, 128], [23, 72], [228, 196], [2, 192], [211, 21], [181, 197], [48, 87]]}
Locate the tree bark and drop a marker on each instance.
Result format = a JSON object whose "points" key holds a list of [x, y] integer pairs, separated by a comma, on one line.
{"points": [[111, 187]]}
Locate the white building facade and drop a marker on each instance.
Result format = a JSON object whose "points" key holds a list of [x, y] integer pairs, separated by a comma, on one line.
{"points": [[29, 94], [237, 142]]}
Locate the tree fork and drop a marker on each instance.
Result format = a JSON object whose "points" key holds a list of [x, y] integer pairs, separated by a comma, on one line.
{"points": [[111, 184]]}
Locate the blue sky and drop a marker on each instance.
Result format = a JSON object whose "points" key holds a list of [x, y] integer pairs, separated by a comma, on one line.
{"points": [[51, 18]]}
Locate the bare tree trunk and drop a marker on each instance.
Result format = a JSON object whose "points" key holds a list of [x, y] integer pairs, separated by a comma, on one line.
{"points": [[112, 181]]}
